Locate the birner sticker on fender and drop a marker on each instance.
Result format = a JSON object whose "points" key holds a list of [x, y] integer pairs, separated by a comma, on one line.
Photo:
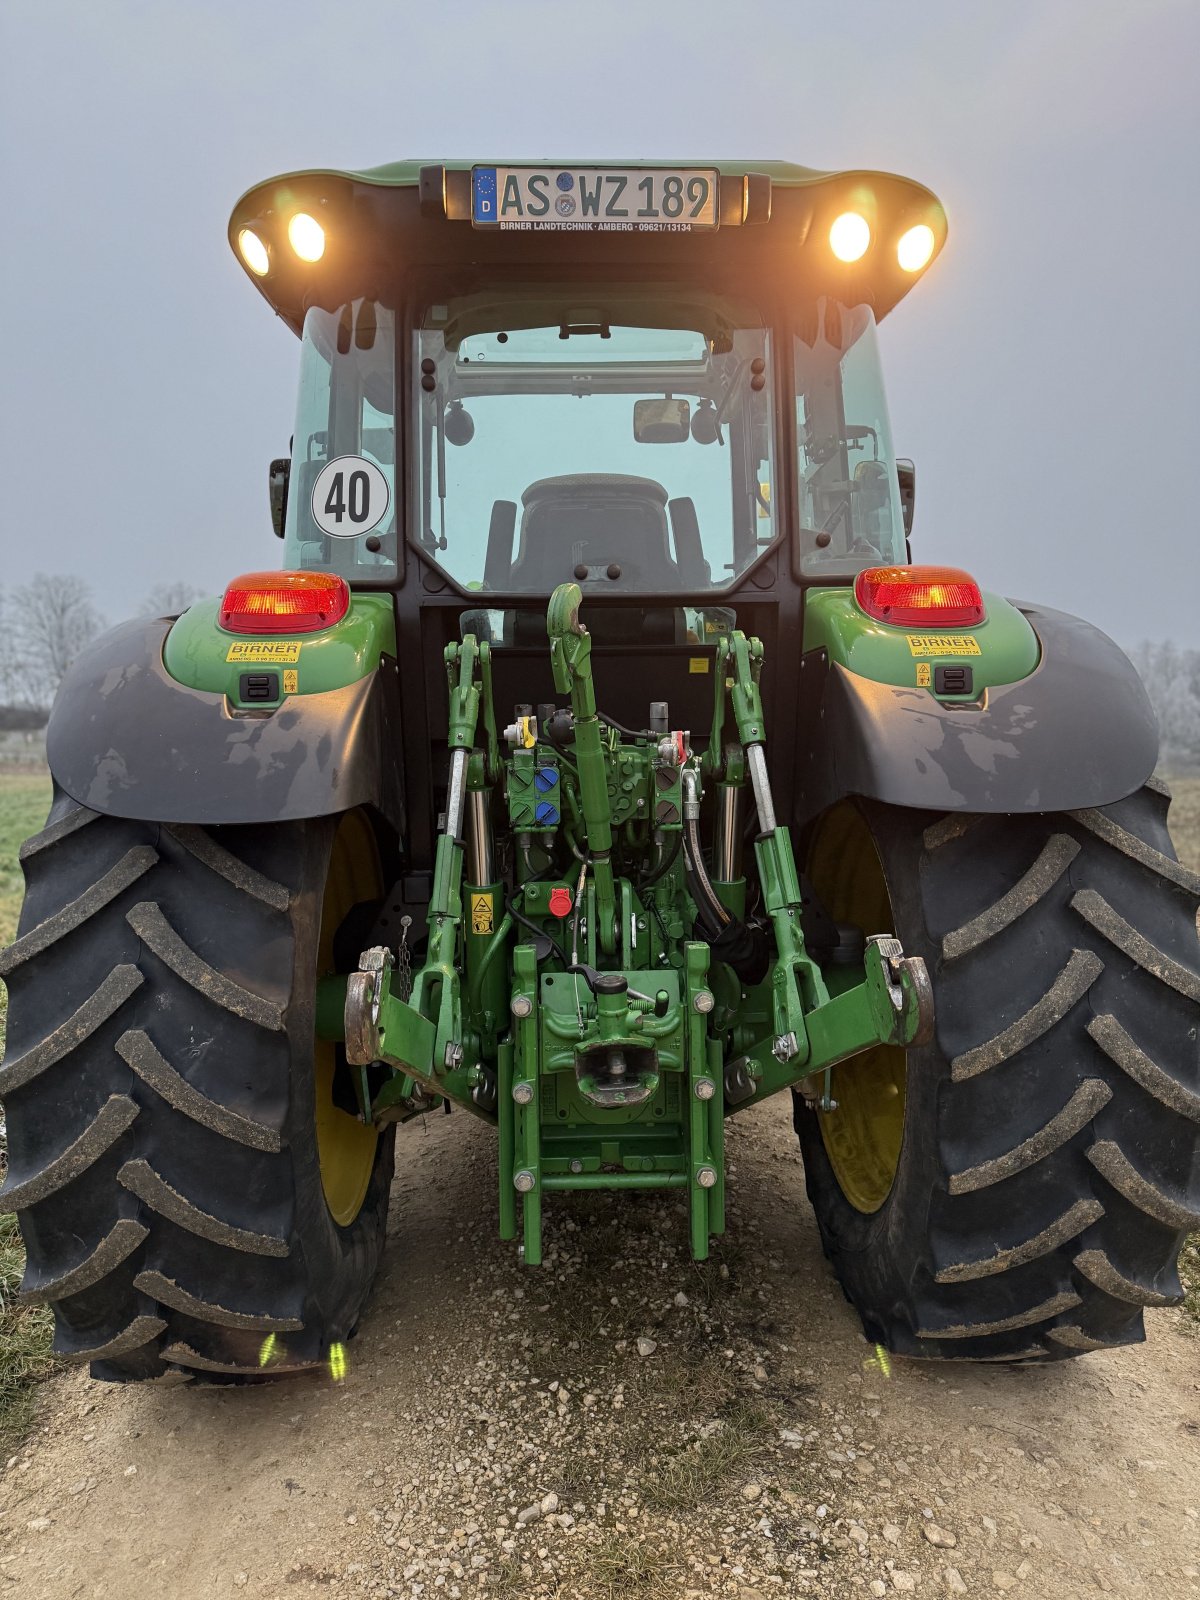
{"points": [[276, 651], [943, 644]]}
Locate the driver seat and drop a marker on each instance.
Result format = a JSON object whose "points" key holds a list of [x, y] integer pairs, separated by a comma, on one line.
{"points": [[596, 519]]}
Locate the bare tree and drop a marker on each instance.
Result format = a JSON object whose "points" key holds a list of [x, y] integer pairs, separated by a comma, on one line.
{"points": [[170, 598], [9, 686], [1172, 679], [51, 619]]}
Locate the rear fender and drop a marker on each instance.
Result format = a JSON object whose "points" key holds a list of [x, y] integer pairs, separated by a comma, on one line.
{"points": [[128, 739], [1075, 730]]}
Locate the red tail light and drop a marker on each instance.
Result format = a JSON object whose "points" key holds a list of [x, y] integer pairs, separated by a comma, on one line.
{"points": [[920, 597], [284, 602]]}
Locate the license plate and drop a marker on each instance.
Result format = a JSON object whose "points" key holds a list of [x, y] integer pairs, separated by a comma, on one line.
{"points": [[602, 199]]}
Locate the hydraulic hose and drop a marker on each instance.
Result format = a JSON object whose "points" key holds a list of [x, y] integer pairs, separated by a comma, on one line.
{"points": [[664, 863], [619, 727], [495, 945], [538, 933], [692, 829], [704, 916]]}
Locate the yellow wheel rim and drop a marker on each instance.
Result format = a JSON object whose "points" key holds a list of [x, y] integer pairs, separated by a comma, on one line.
{"points": [[863, 1136], [345, 1146]]}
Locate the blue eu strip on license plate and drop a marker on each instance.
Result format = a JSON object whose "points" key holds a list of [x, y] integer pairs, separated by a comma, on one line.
{"points": [[600, 199]]}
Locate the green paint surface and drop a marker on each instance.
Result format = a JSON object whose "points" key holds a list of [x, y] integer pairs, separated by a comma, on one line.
{"points": [[833, 622], [197, 649]]}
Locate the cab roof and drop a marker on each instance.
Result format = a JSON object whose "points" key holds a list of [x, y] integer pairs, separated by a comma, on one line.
{"points": [[419, 212]]}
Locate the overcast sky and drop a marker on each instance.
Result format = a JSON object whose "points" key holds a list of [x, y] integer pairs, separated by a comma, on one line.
{"points": [[1045, 377]]}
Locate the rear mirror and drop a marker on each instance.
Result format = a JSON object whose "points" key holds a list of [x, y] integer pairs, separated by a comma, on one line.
{"points": [[906, 473], [278, 474], [661, 421]]}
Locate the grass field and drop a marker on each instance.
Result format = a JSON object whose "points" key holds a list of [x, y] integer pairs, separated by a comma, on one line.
{"points": [[25, 1331], [1185, 826], [24, 802]]}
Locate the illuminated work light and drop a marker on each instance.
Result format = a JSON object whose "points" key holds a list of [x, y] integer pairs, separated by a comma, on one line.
{"points": [[306, 237], [915, 247], [254, 252], [284, 602], [850, 236], [920, 597]]}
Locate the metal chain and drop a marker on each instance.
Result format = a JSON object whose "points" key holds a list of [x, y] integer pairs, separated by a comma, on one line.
{"points": [[404, 961]]}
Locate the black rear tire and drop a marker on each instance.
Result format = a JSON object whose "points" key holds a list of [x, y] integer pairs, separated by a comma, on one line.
{"points": [[1049, 1162], [161, 1093]]}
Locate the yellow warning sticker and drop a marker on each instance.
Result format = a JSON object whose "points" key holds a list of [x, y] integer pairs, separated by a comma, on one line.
{"points": [[697, 663], [274, 651], [924, 675], [943, 644], [482, 913], [291, 680]]}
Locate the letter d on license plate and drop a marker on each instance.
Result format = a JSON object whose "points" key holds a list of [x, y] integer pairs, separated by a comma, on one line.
{"points": [[602, 199]]}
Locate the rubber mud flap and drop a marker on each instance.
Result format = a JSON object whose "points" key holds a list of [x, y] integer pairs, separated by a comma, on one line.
{"points": [[125, 739]]}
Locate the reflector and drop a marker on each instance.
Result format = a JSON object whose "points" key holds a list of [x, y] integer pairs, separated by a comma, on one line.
{"points": [[284, 602], [920, 597]]}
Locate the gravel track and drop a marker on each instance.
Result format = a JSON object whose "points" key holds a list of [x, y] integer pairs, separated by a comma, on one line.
{"points": [[622, 1422]]}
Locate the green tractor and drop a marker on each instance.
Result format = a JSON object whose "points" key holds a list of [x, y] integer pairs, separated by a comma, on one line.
{"points": [[598, 765]]}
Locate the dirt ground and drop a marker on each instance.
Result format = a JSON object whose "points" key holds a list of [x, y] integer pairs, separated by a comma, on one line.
{"points": [[501, 1430]]}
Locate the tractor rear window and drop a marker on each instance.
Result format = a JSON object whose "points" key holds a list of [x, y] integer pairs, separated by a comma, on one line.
{"points": [[621, 437]]}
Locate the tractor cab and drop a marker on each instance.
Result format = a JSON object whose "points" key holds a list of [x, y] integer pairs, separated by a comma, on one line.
{"points": [[662, 384]]}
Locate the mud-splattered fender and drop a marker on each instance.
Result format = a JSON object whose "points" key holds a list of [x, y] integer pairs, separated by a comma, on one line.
{"points": [[128, 740], [1078, 731]]}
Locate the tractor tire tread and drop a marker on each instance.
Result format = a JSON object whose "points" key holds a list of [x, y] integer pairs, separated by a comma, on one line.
{"points": [[117, 987], [159, 1093], [137, 1048], [155, 931], [169, 1293], [1129, 844], [1072, 983], [1091, 1095], [1147, 1074], [182, 1355], [106, 1127], [1050, 1161], [230, 867], [135, 1336], [1072, 1223], [1097, 1266], [121, 1240], [1095, 909], [1067, 1300], [55, 832], [1056, 856], [1114, 1165], [132, 865], [153, 1190]]}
